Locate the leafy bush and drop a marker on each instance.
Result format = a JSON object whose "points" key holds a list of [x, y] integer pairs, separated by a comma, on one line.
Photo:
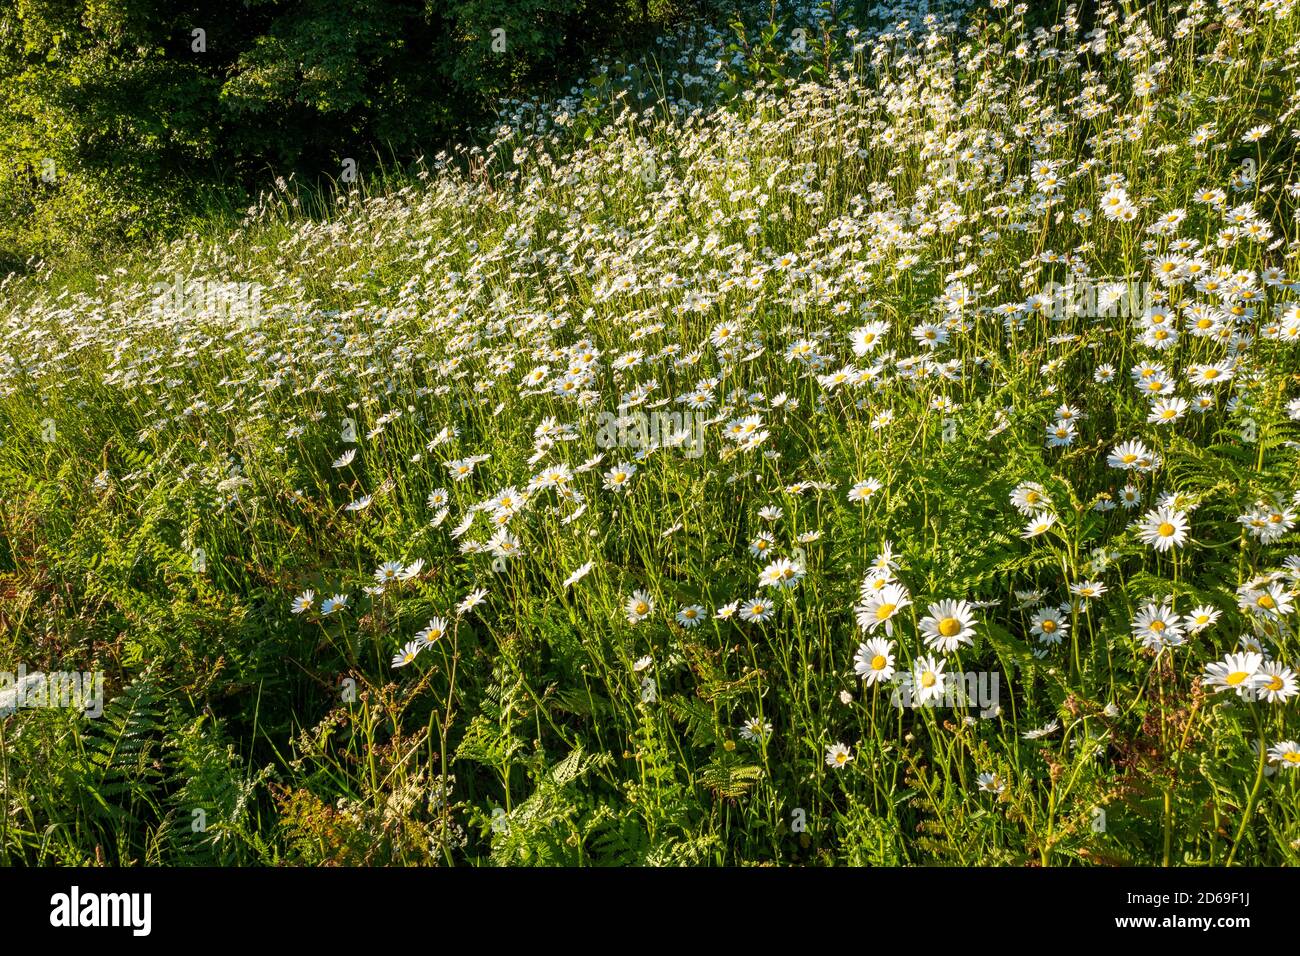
{"points": [[118, 118]]}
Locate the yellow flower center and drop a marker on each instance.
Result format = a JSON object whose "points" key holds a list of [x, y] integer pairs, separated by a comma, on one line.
{"points": [[878, 662], [1165, 529], [1292, 757], [1049, 626], [949, 626], [1266, 601], [884, 611], [1235, 678], [642, 607], [927, 679], [1275, 683]]}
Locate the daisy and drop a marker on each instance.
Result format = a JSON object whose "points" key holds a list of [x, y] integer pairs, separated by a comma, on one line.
{"points": [[1040, 523], [345, 459], [1049, 626], [407, 654], [1029, 498], [503, 544], [990, 783], [885, 561], [460, 468], [412, 570], [1157, 626], [639, 606], [1270, 601], [874, 660], [1163, 528], [1051, 727], [927, 680], [388, 572], [1250, 644], [1236, 672], [838, 755], [781, 573], [1060, 434], [577, 575], [880, 608], [864, 490], [1277, 683], [948, 626], [619, 477], [868, 337], [471, 601], [690, 616], [1166, 411], [332, 604], [1088, 589], [1129, 455], [757, 609], [1214, 374], [755, 730], [432, 632], [874, 582], [1286, 753], [1201, 617], [304, 602]]}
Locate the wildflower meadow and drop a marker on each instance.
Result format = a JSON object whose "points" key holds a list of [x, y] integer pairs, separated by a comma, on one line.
{"points": [[837, 435]]}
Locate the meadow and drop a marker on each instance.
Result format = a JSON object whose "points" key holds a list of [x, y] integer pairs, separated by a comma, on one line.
{"points": [[827, 441]]}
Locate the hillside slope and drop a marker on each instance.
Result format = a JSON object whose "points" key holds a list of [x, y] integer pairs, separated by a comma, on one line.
{"points": [[649, 487]]}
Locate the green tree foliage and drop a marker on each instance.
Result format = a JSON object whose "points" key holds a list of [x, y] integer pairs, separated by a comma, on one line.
{"points": [[119, 116]]}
